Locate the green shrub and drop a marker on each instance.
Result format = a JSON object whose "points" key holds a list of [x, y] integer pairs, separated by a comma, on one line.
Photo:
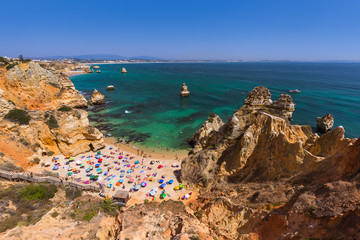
{"points": [[65, 108], [55, 214], [71, 192], [11, 166], [50, 153], [18, 116], [109, 207], [36, 160], [35, 192], [89, 215], [52, 123]]}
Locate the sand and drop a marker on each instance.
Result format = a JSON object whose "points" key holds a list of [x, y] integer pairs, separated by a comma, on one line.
{"points": [[142, 171]]}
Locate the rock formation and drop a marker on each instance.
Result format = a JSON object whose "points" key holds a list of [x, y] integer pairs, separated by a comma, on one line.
{"points": [[55, 123], [97, 98], [110, 87], [168, 220], [123, 70], [30, 86], [325, 123], [184, 92], [258, 143]]}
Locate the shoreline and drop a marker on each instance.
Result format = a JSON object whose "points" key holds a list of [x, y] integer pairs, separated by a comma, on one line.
{"points": [[155, 153]]}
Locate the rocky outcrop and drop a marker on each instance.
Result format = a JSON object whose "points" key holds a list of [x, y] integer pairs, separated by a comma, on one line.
{"points": [[168, 220], [110, 87], [184, 92], [30, 86], [97, 98], [325, 123], [55, 125], [209, 127], [258, 143]]}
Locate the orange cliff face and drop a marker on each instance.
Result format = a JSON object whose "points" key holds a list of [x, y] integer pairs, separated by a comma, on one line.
{"points": [[32, 87], [39, 93]]}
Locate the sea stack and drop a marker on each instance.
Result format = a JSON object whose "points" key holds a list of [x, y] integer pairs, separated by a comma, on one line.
{"points": [[184, 92], [97, 98], [325, 123], [110, 87], [123, 70]]}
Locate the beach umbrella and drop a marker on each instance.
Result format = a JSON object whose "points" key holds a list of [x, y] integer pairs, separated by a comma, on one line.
{"points": [[67, 156], [71, 159], [163, 195], [137, 187], [128, 171], [131, 180], [181, 186], [187, 196], [163, 185], [161, 180], [78, 162], [56, 167], [171, 181], [152, 193], [121, 180], [97, 165], [143, 184], [176, 188], [137, 162], [99, 152], [155, 189], [69, 173]]}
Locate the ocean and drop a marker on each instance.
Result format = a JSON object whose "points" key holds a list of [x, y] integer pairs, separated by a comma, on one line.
{"points": [[146, 107]]}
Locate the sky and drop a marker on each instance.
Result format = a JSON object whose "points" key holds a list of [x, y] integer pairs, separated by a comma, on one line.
{"points": [[186, 29]]}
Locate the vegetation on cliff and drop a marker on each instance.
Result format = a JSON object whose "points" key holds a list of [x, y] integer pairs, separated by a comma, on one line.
{"points": [[18, 116]]}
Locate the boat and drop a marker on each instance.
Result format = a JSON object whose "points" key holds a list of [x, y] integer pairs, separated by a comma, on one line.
{"points": [[294, 91]]}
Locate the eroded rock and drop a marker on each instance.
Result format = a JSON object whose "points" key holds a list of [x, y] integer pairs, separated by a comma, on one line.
{"points": [[97, 98], [325, 123]]}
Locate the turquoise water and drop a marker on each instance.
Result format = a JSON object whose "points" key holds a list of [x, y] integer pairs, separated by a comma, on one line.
{"points": [[146, 107]]}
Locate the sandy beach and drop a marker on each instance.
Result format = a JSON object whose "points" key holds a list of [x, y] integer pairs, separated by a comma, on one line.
{"points": [[129, 164]]}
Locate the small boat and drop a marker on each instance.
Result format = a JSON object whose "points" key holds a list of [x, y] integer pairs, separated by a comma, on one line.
{"points": [[295, 91]]}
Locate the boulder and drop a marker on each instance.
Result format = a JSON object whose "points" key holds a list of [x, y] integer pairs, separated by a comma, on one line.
{"points": [[110, 87], [325, 123], [97, 98], [184, 92]]}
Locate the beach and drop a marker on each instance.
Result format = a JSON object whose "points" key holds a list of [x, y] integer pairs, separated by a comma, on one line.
{"points": [[131, 165]]}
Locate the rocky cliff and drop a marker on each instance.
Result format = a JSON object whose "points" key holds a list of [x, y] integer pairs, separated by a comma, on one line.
{"points": [[263, 178], [40, 112], [258, 143]]}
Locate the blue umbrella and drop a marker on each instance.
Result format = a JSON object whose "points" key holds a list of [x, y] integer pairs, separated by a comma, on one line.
{"points": [[137, 162], [121, 180], [163, 185], [161, 180], [171, 181]]}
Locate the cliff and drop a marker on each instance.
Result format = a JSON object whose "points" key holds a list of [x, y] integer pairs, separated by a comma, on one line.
{"points": [[41, 112], [258, 143]]}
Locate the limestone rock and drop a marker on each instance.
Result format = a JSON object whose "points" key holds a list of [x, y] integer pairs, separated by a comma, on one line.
{"points": [[110, 87], [123, 70], [30, 86], [184, 92], [97, 98], [168, 220], [325, 123], [211, 125], [258, 143]]}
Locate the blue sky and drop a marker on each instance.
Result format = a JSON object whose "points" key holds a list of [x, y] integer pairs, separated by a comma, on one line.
{"points": [[186, 29]]}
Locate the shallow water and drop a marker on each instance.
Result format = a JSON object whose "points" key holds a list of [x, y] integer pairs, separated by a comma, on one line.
{"points": [[146, 105]]}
